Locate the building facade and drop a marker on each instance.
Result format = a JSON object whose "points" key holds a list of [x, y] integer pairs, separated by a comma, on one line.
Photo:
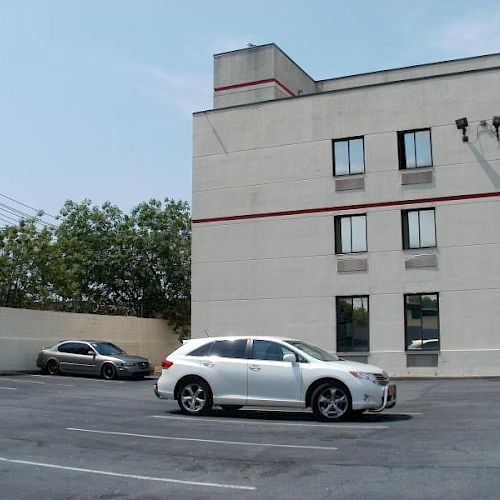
{"points": [[352, 212]]}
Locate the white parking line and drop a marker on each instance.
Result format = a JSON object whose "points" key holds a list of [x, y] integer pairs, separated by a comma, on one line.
{"points": [[402, 414], [128, 476], [266, 423], [213, 441], [8, 388], [52, 377], [84, 379], [422, 402], [66, 385], [22, 381]]}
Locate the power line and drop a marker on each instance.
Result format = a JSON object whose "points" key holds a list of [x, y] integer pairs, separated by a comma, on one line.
{"points": [[16, 221], [22, 215], [27, 206], [17, 217]]}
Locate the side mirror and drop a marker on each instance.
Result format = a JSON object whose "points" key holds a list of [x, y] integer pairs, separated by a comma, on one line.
{"points": [[290, 358], [90, 352]]}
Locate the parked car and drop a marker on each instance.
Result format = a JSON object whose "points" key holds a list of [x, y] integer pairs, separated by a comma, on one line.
{"points": [[92, 357], [268, 371]]}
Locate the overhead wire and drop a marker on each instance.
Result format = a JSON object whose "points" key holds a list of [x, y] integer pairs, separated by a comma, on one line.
{"points": [[27, 206], [15, 215]]}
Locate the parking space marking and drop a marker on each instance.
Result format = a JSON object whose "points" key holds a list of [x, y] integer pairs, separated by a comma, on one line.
{"points": [[212, 441], [261, 422], [403, 414], [66, 385], [22, 381], [8, 388], [422, 402], [85, 379], [128, 476]]}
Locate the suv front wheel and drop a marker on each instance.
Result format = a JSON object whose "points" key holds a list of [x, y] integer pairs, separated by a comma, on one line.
{"points": [[331, 401]]}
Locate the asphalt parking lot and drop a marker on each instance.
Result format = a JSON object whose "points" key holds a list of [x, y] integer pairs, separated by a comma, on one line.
{"points": [[75, 437]]}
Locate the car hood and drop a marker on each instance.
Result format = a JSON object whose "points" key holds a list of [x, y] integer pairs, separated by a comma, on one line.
{"points": [[358, 367]]}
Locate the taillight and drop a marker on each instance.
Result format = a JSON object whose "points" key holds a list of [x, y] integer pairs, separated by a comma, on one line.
{"points": [[166, 363]]}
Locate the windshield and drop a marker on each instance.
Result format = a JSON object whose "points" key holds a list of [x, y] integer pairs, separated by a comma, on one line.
{"points": [[107, 348], [313, 351]]}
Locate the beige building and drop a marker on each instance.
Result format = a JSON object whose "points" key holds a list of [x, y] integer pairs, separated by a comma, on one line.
{"points": [[352, 212]]}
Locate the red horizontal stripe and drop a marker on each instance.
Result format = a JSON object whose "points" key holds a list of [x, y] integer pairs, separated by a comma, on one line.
{"points": [[343, 208], [256, 82]]}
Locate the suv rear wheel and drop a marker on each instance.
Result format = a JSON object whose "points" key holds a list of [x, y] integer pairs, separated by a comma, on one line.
{"points": [[195, 397]]}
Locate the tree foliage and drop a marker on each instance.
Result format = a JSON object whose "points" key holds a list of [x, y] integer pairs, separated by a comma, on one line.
{"points": [[101, 260]]}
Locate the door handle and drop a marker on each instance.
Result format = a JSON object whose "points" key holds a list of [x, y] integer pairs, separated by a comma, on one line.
{"points": [[254, 368], [208, 363]]}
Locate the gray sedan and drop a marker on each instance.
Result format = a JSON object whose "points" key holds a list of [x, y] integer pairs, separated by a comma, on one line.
{"points": [[91, 357]]}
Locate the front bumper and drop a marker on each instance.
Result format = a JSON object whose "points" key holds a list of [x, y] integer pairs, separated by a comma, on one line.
{"points": [[134, 371], [389, 398]]}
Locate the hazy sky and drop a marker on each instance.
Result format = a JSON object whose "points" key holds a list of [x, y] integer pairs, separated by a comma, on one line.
{"points": [[96, 96]]}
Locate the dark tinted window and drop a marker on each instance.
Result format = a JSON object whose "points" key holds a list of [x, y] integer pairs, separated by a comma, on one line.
{"points": [[352, 324], [107, 348], [422, 322], [203, 350], [69, 347], [229, 348], [82, 349], [270, 351]]}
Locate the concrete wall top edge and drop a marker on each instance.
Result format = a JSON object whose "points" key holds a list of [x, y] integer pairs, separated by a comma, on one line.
{"points": [[352, 89]]}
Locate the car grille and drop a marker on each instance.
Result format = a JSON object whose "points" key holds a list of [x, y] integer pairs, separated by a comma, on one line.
{"points": [[143, 364], [382, 379]]}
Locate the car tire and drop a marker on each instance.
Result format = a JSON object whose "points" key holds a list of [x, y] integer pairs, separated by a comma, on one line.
{"points": [[52, 367], [331, 402], [230, 408], [195, 397], [108, 371]]}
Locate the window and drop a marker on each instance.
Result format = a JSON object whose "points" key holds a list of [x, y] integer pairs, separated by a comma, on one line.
{"points": [[348, 156], [422, 322], [270, 351], [69, 347], [352, 324], [419, 228], [415, 149], [313, 351], [202, 350], [229, 348], [350, 233]]}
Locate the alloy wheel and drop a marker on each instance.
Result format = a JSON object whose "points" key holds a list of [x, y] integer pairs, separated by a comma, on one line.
{"points": [[193, 398], [333, 402]]}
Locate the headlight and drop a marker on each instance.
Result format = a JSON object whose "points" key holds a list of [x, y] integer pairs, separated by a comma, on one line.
{"points": [[127, 364], [365, 376]]}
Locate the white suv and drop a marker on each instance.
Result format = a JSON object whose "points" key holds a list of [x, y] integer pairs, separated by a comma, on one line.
{"points": [[268, 371]]}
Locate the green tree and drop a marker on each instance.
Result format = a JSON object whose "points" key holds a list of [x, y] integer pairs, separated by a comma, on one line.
{"points": [[100, 260], [26, 258]]}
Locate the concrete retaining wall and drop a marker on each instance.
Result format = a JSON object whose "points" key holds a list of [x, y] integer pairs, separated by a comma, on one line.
{"points": [[24, 332]]}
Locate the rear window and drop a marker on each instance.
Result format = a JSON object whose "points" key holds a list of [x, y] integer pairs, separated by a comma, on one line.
{"points": [[222, 348], [230, 348], [69, 347], [203, 350]]}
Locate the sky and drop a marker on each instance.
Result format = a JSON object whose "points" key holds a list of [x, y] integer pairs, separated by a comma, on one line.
{"points": [[97, 96]]}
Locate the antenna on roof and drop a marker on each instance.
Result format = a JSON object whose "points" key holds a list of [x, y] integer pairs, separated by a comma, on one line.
{"points": [[205, 331], [250, 45]]}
